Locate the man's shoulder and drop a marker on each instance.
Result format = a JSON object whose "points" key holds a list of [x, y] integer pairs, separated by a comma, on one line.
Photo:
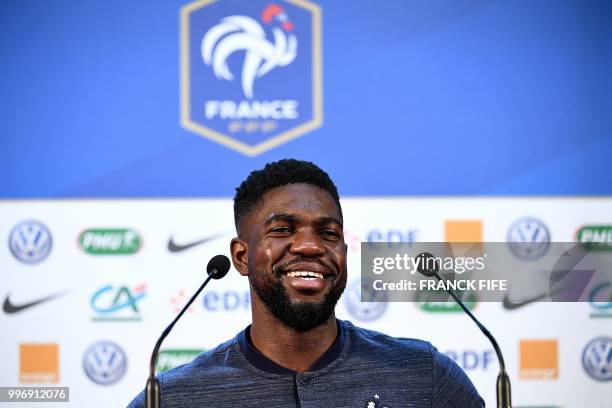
{"points": [[368, 342], [416, 360]]}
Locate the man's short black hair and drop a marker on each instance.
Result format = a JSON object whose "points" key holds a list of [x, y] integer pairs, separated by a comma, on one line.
{"points": [[277, 174]]}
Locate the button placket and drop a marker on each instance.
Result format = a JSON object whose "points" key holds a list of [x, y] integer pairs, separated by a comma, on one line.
{"points": [[306, 391]]}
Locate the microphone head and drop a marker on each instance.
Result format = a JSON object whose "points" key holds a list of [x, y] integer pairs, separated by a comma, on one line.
{"points": [[427, 264], [218, 266]]}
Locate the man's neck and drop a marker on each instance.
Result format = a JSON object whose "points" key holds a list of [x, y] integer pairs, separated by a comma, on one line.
{"points": [[291, 349]]}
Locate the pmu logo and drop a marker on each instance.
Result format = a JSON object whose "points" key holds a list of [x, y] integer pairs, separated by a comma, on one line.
{"points": [[172, 358], [595, 237], [110, 241], [251, 71], [440, 301], [119, 303]]}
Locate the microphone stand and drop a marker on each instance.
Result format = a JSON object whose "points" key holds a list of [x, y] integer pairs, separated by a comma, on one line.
{"points": [[504, 399], [152, 389], [216, 269]]}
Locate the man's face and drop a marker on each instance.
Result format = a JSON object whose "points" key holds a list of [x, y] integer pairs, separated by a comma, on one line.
{"points": [[296, 254]]}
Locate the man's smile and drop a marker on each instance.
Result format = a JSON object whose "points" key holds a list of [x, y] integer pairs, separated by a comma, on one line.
{"points": [[306, 281], [305, 276], [310, 268], [308, 275]]}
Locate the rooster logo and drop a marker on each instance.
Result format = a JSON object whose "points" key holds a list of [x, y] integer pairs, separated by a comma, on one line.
{"points": [[242, 33]]}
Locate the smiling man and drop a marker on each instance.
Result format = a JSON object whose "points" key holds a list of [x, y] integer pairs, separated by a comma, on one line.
{"points": [[290, 245]]}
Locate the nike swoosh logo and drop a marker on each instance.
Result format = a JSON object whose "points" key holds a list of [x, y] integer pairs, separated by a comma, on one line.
{"points": [[174, 247], [11, 308], [509, 305]]}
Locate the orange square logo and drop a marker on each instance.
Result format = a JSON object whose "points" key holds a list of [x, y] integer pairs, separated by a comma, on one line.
{"points": [[463, 231], [458, 232], [539, 360], [39, 363]]}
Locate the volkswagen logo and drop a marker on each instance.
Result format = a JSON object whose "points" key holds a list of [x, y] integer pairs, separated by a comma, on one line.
{"points": [[105, 363], [597, 358], [366, 311], [30, 241], [528, 239]]}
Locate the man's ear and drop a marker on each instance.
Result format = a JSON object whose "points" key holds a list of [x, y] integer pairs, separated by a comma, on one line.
{"points": [[239, 250]]}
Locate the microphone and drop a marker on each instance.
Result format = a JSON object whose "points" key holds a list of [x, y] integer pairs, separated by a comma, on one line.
{"points": [[429, 267], [217, 268]]}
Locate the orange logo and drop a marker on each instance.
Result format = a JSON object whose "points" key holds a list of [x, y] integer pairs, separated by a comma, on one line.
{"points": [[463, 231], [539, 360], [469, 232], [39, 363]]}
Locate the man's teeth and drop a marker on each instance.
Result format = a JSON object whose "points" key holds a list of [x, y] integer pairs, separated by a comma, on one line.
{"points": [[305, 274]]}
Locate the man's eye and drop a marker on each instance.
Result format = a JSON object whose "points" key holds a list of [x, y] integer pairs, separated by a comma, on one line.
{"points": [[281, 229], [331, 233]]}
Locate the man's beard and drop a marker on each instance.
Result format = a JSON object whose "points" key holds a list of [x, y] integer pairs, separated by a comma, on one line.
{"points": [[300, 316]]}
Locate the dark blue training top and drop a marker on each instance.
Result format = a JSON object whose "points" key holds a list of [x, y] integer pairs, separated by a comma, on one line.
{"points": [[362, 368]]}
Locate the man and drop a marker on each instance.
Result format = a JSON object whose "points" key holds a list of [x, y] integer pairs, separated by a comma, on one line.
{"points": [[296, 353]]}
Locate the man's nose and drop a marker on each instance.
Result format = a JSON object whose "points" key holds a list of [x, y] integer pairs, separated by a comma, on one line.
{"points": [[307, 243]]}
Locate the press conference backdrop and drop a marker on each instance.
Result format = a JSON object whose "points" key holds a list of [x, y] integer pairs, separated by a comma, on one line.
{"points": [[127, 126]]}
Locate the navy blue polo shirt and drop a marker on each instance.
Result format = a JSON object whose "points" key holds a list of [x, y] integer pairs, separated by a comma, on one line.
{"points": [[362, 368]]}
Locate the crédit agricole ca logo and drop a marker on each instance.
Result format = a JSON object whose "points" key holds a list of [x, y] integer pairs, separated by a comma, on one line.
{"points": [[251, 71]]}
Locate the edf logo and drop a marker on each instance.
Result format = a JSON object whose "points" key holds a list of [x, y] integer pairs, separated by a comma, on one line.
{"points": [[251, 71], [227, 301], [472, 359]]}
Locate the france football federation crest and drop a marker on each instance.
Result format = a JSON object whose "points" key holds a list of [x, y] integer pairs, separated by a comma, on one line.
{"points": [[251, 71]]}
